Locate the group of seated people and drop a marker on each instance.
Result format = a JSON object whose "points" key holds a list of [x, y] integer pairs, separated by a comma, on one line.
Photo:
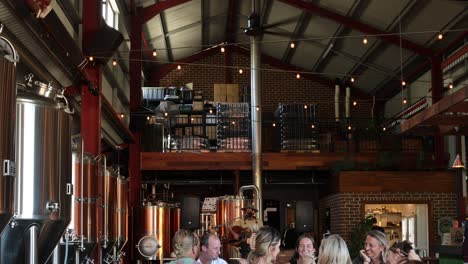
{"points": [[189, 249]]}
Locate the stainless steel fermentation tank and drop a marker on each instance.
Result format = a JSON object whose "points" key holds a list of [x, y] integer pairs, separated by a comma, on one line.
{"points": [[7, 129], [155, 224], [43, 184]]}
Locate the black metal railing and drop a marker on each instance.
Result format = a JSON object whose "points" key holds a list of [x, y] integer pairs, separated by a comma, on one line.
{"points": [[202, 132]]}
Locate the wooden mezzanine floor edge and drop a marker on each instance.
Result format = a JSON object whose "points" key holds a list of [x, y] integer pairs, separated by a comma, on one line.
{"points": [[271, 160]]}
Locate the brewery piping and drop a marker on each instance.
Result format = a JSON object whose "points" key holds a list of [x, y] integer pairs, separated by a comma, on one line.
{"points": [[256, 110]]}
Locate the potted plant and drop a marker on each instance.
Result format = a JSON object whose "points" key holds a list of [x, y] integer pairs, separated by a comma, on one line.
{"points": [[358, 236]]}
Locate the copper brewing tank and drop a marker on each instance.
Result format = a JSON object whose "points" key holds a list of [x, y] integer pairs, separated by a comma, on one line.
{"points": [[208, 222], [83, 221], [175, 220], [155, 224], [121, 213], [106, 206], [7, 136], [228, 211]]}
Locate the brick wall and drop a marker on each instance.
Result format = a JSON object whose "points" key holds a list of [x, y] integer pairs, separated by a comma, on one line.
{"points": [[346, 209], [276, 85]]}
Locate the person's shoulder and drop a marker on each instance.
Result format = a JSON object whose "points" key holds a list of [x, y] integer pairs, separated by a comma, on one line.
{"points": [[220, 261], [357, 260]]}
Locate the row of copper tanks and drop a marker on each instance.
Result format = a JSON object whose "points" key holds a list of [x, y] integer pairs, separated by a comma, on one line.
{"points": [[157, 221], [99, 211]]}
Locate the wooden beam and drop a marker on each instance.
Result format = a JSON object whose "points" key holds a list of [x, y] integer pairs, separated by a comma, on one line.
{"points": [[438, 108], [461, 107], [271, 160], [447, 120]]}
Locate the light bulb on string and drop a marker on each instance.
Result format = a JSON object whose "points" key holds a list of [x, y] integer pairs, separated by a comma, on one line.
{"points": [[405, 101], [211, 111], [364, 41], [148, 118], [450, 86], [384, 128], [274, 125], [352, 79], [403, 83], [179, 67], [241, 71], [305, 106], [298, 76], [354, 103], [223, 49], [349, 127], [155, 53], [440, 36], [165, 114], [91, 58], [292, 45], [114, 62], [257, 108], [122, 115], [312, 126]]}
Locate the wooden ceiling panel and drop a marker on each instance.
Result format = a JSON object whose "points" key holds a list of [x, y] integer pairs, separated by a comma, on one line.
{"points": [[182, 15], [274, 46], [433, 17], [306, 55], [340, 65], [153, 28], [186, 40], [341, 7], [380, 14], [320, 29], [352, 44], [389, 58], [282, 12]]}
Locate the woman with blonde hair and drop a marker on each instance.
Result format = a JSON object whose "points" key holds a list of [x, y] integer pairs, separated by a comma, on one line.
{"points": [[186, 247], [267, 246], [333, 250]]}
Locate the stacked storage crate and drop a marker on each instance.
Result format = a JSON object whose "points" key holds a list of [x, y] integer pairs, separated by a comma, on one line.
{"points": [[298, 127], [233, 126]]}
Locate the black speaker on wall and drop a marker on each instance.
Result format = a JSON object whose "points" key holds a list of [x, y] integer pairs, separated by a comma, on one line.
{"points": [[190, 213], [304, 216], [105, 42]]}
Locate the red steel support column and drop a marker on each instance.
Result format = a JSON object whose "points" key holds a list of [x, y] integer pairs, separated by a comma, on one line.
{"points": [[91, 103], [437, 90], [91, 113], [135, 102]]}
